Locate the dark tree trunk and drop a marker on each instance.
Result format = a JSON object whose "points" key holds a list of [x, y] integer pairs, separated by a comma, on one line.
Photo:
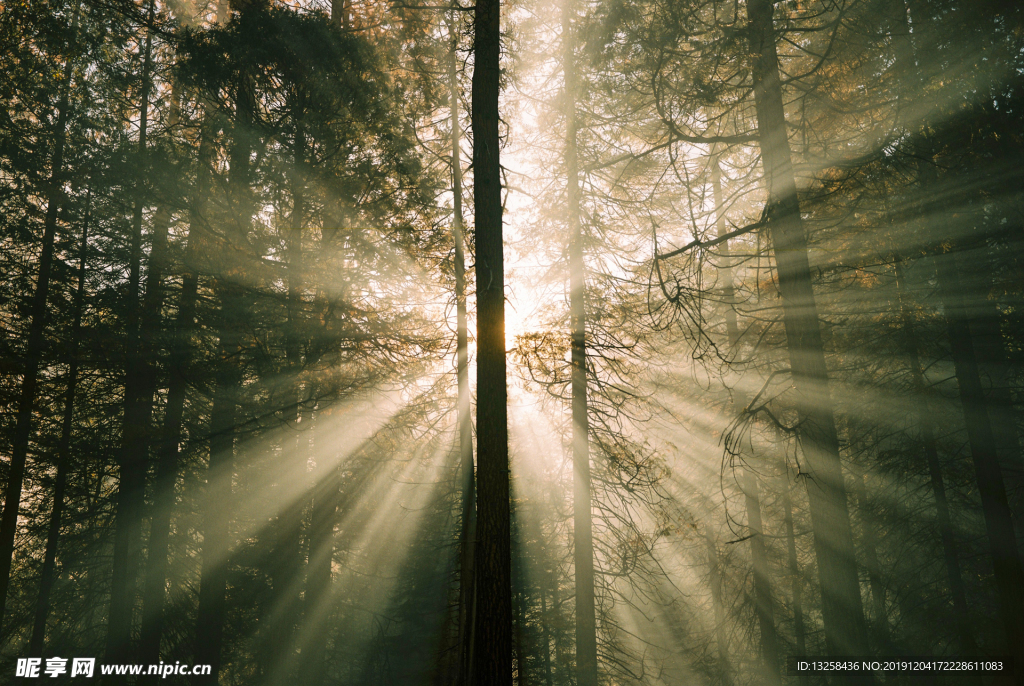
{"points": [[155, 590], [796, 577], [545, 632], [842, 612], [318, 570], [467, 536], [35, 344], [133, 460], [37, 642], [286, 566], [994, 368], [229, 290], [869, 545], [217, 511], [763, 602], [995, 506], [522, 607], [930, 446], [340, 14], [583, 540], [492, 652]]}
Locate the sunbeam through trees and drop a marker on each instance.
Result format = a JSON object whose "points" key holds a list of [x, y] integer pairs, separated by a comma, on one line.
{"points": [[512, 343]]}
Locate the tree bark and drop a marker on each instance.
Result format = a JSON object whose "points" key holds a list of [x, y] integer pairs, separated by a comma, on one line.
{"points": [[842, 612], [37, 642], [35, 344], [492, 653]]}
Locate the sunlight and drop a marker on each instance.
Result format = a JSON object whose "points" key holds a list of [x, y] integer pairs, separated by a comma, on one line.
{"points": [[761, 387]]}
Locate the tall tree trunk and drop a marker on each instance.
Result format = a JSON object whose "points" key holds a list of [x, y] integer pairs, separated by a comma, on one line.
{"points": [[583, 540], [318, 569], [522, 606], [794, 569], [748, 481], [286, 567], [492, 652], [906, 62], [35, 343], [229, 289], [869, 544], [718, 607], [132, 461], [467, 596], [910, 603], [37, 642], [155, 590], [1009, 576], [763, 602], [545, 631], [994, 368], [340, 14], [842, 612], [930, 446], [216, 537]]}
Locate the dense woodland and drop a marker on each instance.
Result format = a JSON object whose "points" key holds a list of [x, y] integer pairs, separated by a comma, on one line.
{"points": [[595, 342]]}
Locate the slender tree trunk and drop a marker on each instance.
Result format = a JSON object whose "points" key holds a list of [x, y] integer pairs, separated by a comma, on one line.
{"points": [[318, 574], [583, 541], [37, 642], [930, 446], [906, 62], [1009, 577], [994, 368], [794, 571], [216, 538], [492, 651], [155, 590], [522, 602], [842, 612], [763, 602], [718, 607], [748, 481], [286, 568], [545, 633], [229, 289], [340, 14], [35, 344], [467, 596], [137, 410], [910, 604], [869, 544]]}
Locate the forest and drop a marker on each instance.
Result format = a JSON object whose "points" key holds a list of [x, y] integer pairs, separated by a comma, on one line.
{"points": [[571, 343]]}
